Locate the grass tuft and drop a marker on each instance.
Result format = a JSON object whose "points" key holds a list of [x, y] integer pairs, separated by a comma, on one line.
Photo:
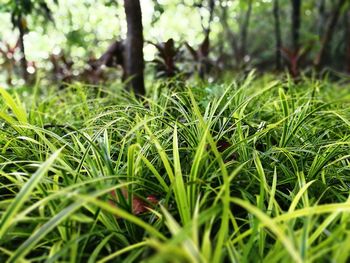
{"points": [[253, 170]]}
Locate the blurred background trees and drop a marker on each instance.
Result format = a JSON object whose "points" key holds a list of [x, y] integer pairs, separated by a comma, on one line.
{"points": [[19, 10], [70, 40]]}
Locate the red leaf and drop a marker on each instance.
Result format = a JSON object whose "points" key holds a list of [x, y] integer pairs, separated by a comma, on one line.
{"points": [[139, 206]]}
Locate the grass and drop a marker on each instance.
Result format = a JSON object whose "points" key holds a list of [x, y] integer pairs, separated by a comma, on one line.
{"points": [[255, 170]]}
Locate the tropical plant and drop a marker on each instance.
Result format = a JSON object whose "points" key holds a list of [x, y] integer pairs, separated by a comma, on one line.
{"points": [[254, 169]]}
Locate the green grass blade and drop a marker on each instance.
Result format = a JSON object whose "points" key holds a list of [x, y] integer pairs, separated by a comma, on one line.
{"points": [[17, 109], [268, 222], [24, 193], [179, 185]]}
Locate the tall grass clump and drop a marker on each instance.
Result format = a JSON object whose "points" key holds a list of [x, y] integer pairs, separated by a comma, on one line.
{"points": [[255, 170]]}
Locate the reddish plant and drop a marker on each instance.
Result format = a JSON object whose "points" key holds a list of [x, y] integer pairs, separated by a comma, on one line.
{"points": [[294, 57], [62, 67], [8, 53], [165, 61], [10, 63], [139, 206], [201, 56]]}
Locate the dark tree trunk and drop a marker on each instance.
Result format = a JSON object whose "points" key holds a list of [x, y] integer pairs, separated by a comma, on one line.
{"points": [[211, 7], [134, 63], [244, 32], [296, 9], [327, 37], [229, 34], [204, 66], [23, 59], [321, 16], [278, 37], [211, 15]]}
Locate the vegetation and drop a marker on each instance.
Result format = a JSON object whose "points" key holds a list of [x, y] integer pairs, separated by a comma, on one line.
{"points": [[254, 169], [174, 131], [68, 40]]}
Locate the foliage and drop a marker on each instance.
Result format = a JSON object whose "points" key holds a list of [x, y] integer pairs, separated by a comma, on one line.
{"points": [[165, 61], [22, 8], [242, 34], [257, 169], [201, 56]]}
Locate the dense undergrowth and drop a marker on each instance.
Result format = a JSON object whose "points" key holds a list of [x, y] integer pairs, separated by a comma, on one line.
{"points": [[257, 170]]}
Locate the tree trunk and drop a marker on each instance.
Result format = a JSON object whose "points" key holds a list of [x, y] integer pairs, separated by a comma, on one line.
{"points": [[321, 17], [205, 45], [229, 35], [244, 31], [23, 59], [327, 37], [134, 63], [296, 9], [277, 34], [211, 15]]}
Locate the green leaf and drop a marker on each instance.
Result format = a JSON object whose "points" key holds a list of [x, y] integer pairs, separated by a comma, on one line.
{"points": [[22, 196], [179, 185]]}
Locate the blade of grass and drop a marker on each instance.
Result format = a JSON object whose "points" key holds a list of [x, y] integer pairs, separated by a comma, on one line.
{"points": [[24, 193], [179, 185], [269, 223]]}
